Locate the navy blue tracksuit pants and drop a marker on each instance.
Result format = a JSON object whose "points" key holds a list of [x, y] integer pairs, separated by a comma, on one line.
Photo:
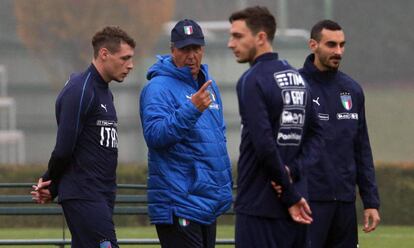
{"points": [[260, 232], [186, 234], [334, 225], [90, 223]]}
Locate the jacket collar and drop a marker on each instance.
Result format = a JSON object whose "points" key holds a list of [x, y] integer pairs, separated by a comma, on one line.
{"points": [[165, 67], [264, 57], [97, 77]]}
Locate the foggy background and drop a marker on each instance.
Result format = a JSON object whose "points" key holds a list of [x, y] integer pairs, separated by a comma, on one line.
{"points": [[43, 42]]}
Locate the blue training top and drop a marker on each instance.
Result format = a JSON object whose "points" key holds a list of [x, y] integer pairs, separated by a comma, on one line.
{"points": [[279, 128], [347, 160], [84, 160]]}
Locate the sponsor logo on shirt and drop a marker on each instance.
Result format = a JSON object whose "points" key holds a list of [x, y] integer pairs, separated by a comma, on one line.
{"points": [[323, 117], [213, 104], [289, 136], [347, 116], [106, 123], [294, 97], [289, 78], [292, 117]]}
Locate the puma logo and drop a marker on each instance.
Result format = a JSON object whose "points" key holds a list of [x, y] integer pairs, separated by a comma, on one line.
{"points": [[104, 107]]}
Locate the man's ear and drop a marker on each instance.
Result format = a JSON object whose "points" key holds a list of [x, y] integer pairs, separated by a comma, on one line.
{"points": [[313, 45], [103, 53], [261, 38]]}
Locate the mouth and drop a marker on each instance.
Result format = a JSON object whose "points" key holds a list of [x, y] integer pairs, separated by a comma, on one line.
{"points": [[336, 59], [192, 66], [236, 54]]}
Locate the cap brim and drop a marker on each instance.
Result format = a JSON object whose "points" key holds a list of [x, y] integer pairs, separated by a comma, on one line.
{"points": [[187, 42]]}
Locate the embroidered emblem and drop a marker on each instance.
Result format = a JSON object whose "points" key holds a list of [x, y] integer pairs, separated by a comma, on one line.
{"points": [[183, 222], [188, 30], [346, 100]]}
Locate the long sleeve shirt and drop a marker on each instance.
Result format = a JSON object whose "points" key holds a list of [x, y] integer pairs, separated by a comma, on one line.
{"points": [[347, 160], [84, 160], [279, 128]]}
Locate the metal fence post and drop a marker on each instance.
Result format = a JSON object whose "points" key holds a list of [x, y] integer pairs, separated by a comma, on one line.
{"points": [[63, 230]]}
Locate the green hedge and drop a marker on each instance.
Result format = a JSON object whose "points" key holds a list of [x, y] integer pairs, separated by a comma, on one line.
{"points": [[396, 188], [395, 181]]}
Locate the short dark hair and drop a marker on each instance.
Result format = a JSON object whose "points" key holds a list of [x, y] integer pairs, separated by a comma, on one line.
{"points": [[110, 37], [257, 19], [324, 24]]}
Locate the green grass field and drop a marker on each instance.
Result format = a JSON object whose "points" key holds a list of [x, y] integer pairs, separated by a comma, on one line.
{"points": [[383, 237]]}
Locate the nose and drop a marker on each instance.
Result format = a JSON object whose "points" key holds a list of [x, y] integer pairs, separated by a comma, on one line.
{"points": [[230, 43], [339, 50], [191, 53], [130, 65]]}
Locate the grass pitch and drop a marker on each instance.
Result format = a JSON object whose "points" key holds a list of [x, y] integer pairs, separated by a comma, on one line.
{"points": [[384, 236]]}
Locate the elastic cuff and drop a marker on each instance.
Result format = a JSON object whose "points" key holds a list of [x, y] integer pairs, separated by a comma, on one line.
{"points": [[371, 205], [53, 188], [290, 197]]}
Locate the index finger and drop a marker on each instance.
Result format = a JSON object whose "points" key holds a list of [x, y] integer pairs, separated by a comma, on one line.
{"points": [[205, 85]]}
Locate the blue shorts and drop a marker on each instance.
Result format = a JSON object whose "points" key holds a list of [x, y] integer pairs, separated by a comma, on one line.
{"points": [[90, 223], [334, 225], [259, 232]]}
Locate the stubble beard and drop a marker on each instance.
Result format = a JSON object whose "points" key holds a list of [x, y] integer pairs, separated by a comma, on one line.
{"points": [[326, 62], [250, 56]]}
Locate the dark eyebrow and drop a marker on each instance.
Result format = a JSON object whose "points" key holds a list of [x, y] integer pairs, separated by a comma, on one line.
{"points": [[126, 57], [334, 43], [236, 34]]}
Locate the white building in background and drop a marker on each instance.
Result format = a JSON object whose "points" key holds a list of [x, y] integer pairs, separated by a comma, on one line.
{"points": [[12, 141]]}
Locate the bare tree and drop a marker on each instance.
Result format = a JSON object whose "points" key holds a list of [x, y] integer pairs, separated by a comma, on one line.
{"points": [[58, 32]]}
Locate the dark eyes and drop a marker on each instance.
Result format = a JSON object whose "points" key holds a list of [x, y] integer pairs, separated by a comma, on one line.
{"points": [[332, 44], [125, 58]]}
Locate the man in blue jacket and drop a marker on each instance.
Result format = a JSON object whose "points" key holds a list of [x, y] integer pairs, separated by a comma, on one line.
{"points": [[280, 138], [189, 176], [82, 167], [347, 159]]}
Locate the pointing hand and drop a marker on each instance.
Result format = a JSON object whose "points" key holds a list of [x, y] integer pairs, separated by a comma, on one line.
{"points": [[201, 99]]}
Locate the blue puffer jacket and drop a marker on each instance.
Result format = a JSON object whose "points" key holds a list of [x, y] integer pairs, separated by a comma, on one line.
{"points": [[189, 169]]}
